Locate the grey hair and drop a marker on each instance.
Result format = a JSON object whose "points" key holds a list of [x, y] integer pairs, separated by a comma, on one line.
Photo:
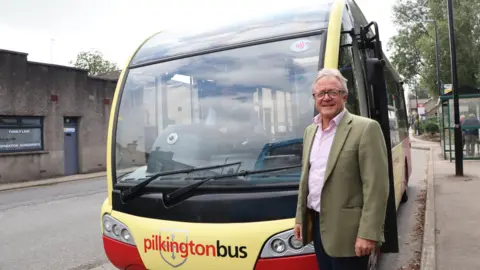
{"points": [[331, 72]]}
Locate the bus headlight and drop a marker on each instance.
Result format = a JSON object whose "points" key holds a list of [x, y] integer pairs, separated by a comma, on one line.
{"points": [[278, 245], [285, 244], [126, 235], [294, 243], [115, 229], [107, 225]]}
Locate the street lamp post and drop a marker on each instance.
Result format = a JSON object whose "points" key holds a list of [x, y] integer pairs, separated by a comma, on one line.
{"points": [[437, 52], [456, 106]]}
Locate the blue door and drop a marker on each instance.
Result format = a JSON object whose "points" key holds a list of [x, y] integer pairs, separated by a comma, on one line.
{"points": [[70, 146]]}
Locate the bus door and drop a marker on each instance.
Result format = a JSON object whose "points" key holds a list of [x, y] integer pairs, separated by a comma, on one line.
{"points": [[373, 65]]}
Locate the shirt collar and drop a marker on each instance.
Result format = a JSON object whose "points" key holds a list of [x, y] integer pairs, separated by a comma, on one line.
{"points": [[336, 119]]}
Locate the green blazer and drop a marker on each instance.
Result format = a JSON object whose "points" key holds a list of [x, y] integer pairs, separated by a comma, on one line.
{"points": [[355, 193]]}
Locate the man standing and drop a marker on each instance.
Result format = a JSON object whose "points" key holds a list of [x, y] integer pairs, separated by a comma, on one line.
{"points": [[470, 133], [344, 184]]}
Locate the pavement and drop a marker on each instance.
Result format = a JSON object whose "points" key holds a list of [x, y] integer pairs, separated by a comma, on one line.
{"points": [[428, 252], [452, 216], [57, 180]]}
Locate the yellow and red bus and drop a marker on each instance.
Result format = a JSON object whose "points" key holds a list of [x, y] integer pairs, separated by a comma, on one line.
{"points": [[210, 129]]}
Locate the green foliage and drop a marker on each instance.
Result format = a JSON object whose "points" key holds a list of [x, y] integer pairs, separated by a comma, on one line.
{"points": [[413, 49], [420, 93], [431, 127], [406, 55], [428, 126], [94, 62]]}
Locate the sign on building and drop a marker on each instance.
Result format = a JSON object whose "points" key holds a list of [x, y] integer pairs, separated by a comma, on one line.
{"points": [[421, 109]]}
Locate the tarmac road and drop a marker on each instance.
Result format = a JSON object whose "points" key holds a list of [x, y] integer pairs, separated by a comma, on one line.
{"points": [[406, 216], [58, 226], [52, 227]]}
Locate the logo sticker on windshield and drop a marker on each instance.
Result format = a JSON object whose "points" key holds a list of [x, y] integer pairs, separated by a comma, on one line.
{"points": [[172, 138], [300, 45]]}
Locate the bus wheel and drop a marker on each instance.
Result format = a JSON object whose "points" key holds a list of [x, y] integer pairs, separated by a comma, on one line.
{"points": [[405, 195], [373, 260]]}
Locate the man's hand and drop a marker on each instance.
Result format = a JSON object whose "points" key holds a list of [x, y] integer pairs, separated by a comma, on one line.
{"points": [[364, 247], [297, 231]]}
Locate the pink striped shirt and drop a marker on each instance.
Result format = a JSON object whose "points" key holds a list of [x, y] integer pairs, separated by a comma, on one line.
{"points": [[318, 159]]}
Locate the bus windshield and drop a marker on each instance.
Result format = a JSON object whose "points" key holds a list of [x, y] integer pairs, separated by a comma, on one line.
{"points": [[244, 108]]}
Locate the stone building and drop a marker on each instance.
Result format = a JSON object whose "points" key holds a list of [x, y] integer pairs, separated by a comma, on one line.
{"points": [[53, 119]]}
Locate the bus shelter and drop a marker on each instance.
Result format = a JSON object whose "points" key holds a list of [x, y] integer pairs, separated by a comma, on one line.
{"points": [[469, 105]]}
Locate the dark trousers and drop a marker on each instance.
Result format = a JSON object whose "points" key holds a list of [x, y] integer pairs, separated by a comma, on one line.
{"points": [[325, 262]]}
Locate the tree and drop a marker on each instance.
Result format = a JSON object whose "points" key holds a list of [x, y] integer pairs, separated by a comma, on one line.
{"points": [[406, 56], [418, 93], [414, 53], [94, 62]]}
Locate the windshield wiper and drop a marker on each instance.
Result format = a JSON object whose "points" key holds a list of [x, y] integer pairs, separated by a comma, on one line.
{"points": [[137, 189], [189, 188], [123, 174]]}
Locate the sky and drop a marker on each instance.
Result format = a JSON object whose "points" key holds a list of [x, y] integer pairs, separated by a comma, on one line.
{"points": [[54, 31]]}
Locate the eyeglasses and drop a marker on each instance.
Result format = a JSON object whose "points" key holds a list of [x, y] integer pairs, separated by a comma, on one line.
{"points": [[331, 93]]}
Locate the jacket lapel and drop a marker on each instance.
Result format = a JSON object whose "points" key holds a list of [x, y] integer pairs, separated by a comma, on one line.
{"points": [[307, 217], [312, 130], [340, 136]]}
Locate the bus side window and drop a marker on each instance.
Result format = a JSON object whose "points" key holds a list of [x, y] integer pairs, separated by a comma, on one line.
{"points": [[396, 135], [346, 68], [401, 112]]}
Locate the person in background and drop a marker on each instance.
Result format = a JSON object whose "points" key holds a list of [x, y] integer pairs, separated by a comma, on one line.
{"points": [[471, 134], [342, 210]]}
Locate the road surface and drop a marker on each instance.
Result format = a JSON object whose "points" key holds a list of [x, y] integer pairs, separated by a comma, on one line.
{"points": [[406, 216], [58, 226], [52, 227]]}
